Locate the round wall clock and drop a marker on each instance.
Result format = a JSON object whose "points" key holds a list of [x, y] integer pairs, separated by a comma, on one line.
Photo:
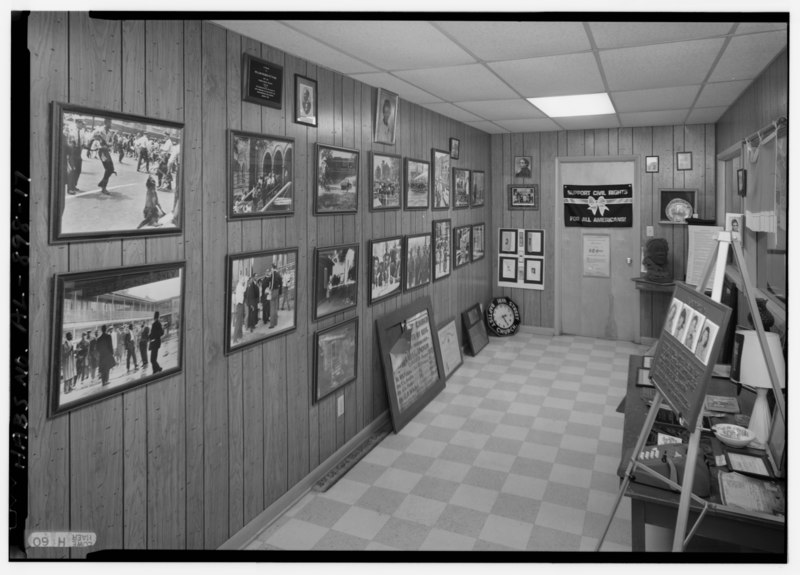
{"points": [[503, 316]]}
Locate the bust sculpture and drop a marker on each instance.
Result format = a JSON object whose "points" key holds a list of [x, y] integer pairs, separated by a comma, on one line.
{"points": [[655, 261]]}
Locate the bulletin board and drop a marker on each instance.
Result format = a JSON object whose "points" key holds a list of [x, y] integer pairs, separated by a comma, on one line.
{"points": [[520, 258]]}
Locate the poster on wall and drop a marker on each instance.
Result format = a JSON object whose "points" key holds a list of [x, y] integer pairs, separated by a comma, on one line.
{"points": [[515, 266], [607, 206], [596, 256]]}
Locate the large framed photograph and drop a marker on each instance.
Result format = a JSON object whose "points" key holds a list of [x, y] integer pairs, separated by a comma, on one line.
{"points": [[461, 188], [336, 189], [114, 175], [478, 241], [261, 298], [442, 246], [385, 117], [523, 197], [440, 163], [417, 261], [335, 279], [418, 184], [260, 175], [462, 244], [114, 330], [305, 101], [262, 82], [386, 177], [449, 347], [478, 196], [335, 358], [677, 205], [386, 269]]}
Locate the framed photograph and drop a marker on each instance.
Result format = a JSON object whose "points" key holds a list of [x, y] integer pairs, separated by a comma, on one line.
{"points": [[523, 197], [411, 360], [417, 261], [508, 269], [508, 241], [478, 241], [335, 358], [461, 188], [676, 205], [651, 164], [534, 242], [442, 246], [440, 162], [418, 184], [475, 335], [534, 271], [522, 166], [385, 179], [385, 117], [450, 348], [684, 161], [305, 101], [462, 243], [114, 330], [455, 148], [336, 189], [260, 175], [335, 279], [734, 223], [478, 196], [741, 182], [114, 175], [386, 269], [262, 82], [261, 298]]}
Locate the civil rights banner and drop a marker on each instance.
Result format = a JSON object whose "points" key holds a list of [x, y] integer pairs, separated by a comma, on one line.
{"points": [[598, 206]]}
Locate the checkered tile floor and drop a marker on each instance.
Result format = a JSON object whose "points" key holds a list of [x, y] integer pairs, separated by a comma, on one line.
{"points": [[519, 452]]}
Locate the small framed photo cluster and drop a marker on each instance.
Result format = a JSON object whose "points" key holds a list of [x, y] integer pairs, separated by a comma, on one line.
{"points": [[521, 258]]}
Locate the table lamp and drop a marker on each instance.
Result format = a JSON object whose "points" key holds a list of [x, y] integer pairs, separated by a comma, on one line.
{"points": [[752, 372]]}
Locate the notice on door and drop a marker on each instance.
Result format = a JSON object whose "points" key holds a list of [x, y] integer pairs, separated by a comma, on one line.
{"points": [[597, 256]]}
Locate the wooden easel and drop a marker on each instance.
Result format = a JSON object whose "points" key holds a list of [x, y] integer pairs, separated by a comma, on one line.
{"points": [[724, 241]]}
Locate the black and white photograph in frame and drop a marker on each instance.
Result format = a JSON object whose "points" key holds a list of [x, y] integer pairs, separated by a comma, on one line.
{"points": [[705, 341], [679, 330], [461, 188], [478, 195], [508, 269], [478, 241], [335, 358], [386, 268], [305, 101], [440, 164], [651, 164], [523, 197], [508, 241], [335, 279], [114, 175], [385, 179], [734, 223], [260, 175], [417, 261], [417, 184], [522, 166], [533, 271], [534, 242], [455, 148], [336, 186], [462, 244], [261, 297], [449, 347], [385, 117], [684, 161], [114, 330], [672, 316], [442, 247], [696, 321]]}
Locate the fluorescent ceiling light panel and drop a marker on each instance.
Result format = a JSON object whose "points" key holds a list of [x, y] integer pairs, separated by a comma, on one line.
{"points": [[580, 105]]}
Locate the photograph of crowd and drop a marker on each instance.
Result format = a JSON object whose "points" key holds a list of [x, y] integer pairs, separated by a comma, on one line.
{"points": [[336, 360], [442, 244], [478, 189], [116, 329], [440, 161], [261, 175], [461, 188], [523, 197], [418, 185], [462, 238], [116, 174], [335, 279], [387, 260], [386, 173], [336, 189], [478, 241], [417, 263]]}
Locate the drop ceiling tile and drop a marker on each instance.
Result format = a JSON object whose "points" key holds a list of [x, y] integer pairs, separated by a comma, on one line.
{"points": [[277, 35], [387, 44], [451, 111], [746, 56], [662, 118], [622, 34], [721, 93], [655, 99], [501, 109], [706, 115], [458, 83], [552, 75], [589, 122], [398, 86], [488, 127], [535, 125], [677, 64], [491, 41], [750, 27]]}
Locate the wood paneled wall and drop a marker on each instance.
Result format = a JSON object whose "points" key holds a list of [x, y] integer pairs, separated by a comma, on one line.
{"points": [[537, 307], [187, 461]]}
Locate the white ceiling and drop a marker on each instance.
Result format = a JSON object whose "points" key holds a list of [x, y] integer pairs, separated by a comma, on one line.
{"points": [[657, 73]]}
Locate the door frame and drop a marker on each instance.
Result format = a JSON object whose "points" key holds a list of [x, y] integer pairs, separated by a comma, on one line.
{"points": [[635, 230]]}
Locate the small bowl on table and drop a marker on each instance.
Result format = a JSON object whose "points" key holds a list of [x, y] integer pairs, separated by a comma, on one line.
{"points": [[733, 435]]}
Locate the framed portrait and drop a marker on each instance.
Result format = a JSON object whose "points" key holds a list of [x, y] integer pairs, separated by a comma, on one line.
{"points": [[305, 101], [386, 269], [522, 166], [385, 179], [114, 175], [260, 175], [677, 205], [461, 188], [508, 269], [534, 271], [418, 184], [417, 261], [478, 196], [651, 164], [336, 188], [385, 117], [335, 358], [335, 280], [261, 297], [741, 182], [508, 241], [478, 241], [523, 197], [455, 148], [114, 330], [449, 347], [734, 223], [442, 247], [534, 242], [684, 161], [262, 82], [462, 244], [440, 163]]}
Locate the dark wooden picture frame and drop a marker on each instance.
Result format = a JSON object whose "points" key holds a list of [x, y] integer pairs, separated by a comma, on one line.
{"points": [[462, 246], [335, 358], [386, 181], [651, 164], [417, 184], [475, 334], [449, 347], [478, 195], [522, 166], [336, 174], [537, 263], [305, 101], [508, 240], [501, 267], [461, 188], [478, 231], [442, 248], [386, 255], [534, 242], [417, 265], [741, 182], [262, 82], [683, 161], [385, 128], [675, 202], [335, 280], [455, 148], [440, 179], [523, 197]]}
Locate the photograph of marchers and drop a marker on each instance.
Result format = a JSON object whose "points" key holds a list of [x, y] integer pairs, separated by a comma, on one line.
{"points": [[440, 164], [442, 246], [261, 174], [386, 173], [462, 240], [114, 175], [461, 188], [417, 261], [336, 191], [336, 359], [418, 185], [335, 279], [387, 261]]}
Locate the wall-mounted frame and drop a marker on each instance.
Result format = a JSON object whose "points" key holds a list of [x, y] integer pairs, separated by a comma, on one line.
{"points": [[534, 242], [261, 297], [523, 197], [386, 268], [114, 330], [462, 246], [417, 261], [305, 101], [385, 172], [684, 161], [440, 182], [596, 249], [676, 205], [449, 347], [336, 182], [507, 269], [262, 82], [455, 148], [508, 240], [335, 358], [651, 164], [475, 335], [335, 280], [442, 248], [534, 271], [417, 184], [478, 195], [741, 182], [386, 109], [478, 242], [260, 175], [103, 196], [461, 188]]}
